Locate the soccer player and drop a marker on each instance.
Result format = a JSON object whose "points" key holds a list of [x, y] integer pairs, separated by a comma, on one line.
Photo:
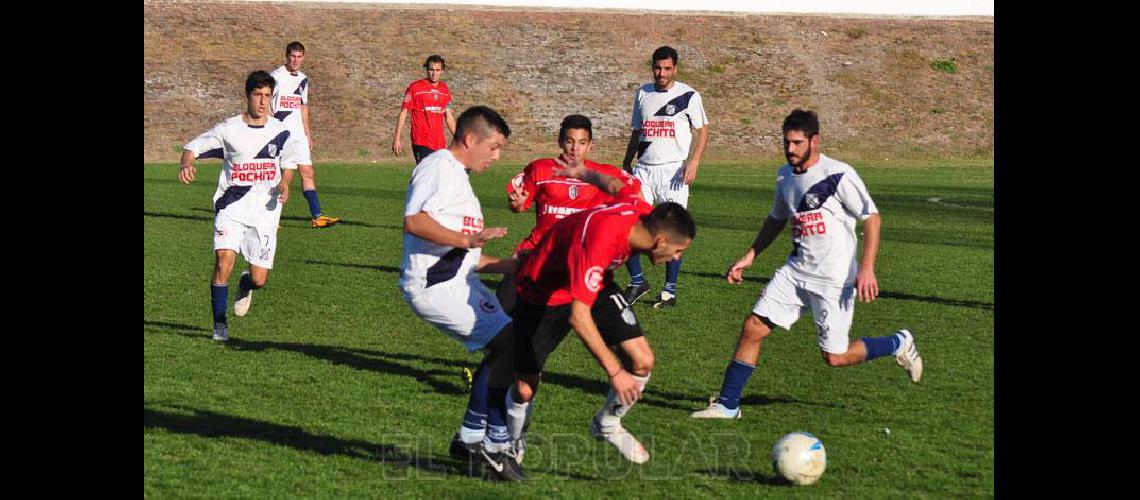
{"points": [[663, 112], [824, 198], [429, 101], [291, 106], [555, 196], [567, 282], [443, 238], [258, 158]]}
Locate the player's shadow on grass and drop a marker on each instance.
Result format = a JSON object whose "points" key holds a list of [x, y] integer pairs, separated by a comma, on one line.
{"points": [[882, 293], [178, 216], [438, 379], [209, 424], [744, 476], [383, 269], [307, 221]]}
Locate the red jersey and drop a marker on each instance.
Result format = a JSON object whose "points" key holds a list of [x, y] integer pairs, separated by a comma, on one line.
{"points": [[576, 258], [427, 103], [555, 197]]}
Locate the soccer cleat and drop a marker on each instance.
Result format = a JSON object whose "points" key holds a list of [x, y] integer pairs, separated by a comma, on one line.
{"points": [[460, 450], [221, 332], [908, 356], [666, 300], [716, 410], [325, 221], [635, 291], [629, 447], [501, 466], [245, 295]]}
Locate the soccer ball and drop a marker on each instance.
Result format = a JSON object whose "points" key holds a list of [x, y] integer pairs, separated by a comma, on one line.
{"points": [[799, 457]]}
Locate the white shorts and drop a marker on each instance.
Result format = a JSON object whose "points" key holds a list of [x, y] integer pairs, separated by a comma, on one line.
{"points": [[304, 156], [464, 309], [832, 308], [257, 244], [664, 182]]}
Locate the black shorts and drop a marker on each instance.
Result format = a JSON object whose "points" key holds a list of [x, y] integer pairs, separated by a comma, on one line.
{"points": [[421, 152], [540, 328]]}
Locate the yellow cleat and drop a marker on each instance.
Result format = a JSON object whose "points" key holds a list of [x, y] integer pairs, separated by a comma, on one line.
{"points": [[325, 221]]}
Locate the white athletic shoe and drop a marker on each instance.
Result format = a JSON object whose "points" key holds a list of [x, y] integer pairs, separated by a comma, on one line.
{"points": [[716, 410], [908, 356], [221, 332], [245, 295], [629, 447]]}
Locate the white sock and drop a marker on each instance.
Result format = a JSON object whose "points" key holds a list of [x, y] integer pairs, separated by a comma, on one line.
{"points": [[612, 410], [518, 414], [470, 436]]}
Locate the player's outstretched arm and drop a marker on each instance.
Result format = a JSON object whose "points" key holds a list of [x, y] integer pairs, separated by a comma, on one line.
{"points": [[866, 284], [583, 323], [422, 225], [764, 237], [607, 183], [186, 173], [496, 265]]}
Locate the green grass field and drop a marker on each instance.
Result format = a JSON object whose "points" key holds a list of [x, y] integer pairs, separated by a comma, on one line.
{"points": [[332, 387]]}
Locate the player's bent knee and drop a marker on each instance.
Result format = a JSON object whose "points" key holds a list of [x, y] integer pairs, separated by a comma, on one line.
{"points": [[643, 363], [755, 329], [837, 360], [525, 388]]}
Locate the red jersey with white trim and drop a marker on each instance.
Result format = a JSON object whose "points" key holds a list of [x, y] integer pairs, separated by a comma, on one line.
{"points": [[252, 158], [554, 196], [576, 258], [427, 104]]}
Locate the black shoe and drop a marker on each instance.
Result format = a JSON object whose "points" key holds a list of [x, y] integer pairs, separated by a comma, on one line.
{"points": [[463, 451], [634, 292], [663, 303], [501, 466]]}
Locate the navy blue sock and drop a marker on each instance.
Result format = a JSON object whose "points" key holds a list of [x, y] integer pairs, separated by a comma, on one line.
{"points": [[219, 295], [497, 433], [314, 205], [881, 346], [735, 377], [476, 417], [672, 269], [634, 267]]}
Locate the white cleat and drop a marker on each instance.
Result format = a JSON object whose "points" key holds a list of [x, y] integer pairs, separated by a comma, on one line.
{"points": [[716, 410], [245, 295], [629, 447], [908, 356]]}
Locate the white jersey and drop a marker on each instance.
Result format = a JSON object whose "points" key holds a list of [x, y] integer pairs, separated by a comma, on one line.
{"points": [[440, 187], [291, 92], [664, 119], [823, 203], [252, 159]]}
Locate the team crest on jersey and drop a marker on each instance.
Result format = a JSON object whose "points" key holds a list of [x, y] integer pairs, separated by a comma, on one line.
{"points": [[670, 109], [486, 306], [272, 149], [574, 189], [594, 277], [811, 200]]}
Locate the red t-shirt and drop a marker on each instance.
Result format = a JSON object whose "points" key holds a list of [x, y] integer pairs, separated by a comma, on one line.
{"points": [[555, 197], [427, 103], [576, 258]]}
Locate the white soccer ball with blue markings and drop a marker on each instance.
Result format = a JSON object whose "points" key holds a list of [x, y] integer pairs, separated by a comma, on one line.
{"points": [[799, 457]]}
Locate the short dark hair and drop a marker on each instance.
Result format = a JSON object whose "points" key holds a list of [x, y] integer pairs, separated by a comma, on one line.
{"points": [[258, 79], [672, 218], [575, 121], [481, 121], [804, 121], [435, 58], [294, 46], [665, 52]]}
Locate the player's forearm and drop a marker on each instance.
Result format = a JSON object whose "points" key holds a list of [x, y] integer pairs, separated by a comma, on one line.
{"points": [[400, 124], [425, 227], [699, 148], [496, 265], [607, 183], [872, 229], [287, 176], [631, 148], [187, 158], [450, 121], [583, 323], [305, 120], [768, 233]]}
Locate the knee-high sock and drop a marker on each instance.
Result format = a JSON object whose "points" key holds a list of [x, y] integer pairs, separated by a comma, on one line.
{"points": [[314, 202], [612, 410], [735, 377], [518, 415], [497, 438], [672, 270], [475, 420], [634, 267], [218, 296]]}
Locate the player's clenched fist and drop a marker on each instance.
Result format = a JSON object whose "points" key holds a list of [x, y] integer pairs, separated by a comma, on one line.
{"points": [[186, 174]]}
